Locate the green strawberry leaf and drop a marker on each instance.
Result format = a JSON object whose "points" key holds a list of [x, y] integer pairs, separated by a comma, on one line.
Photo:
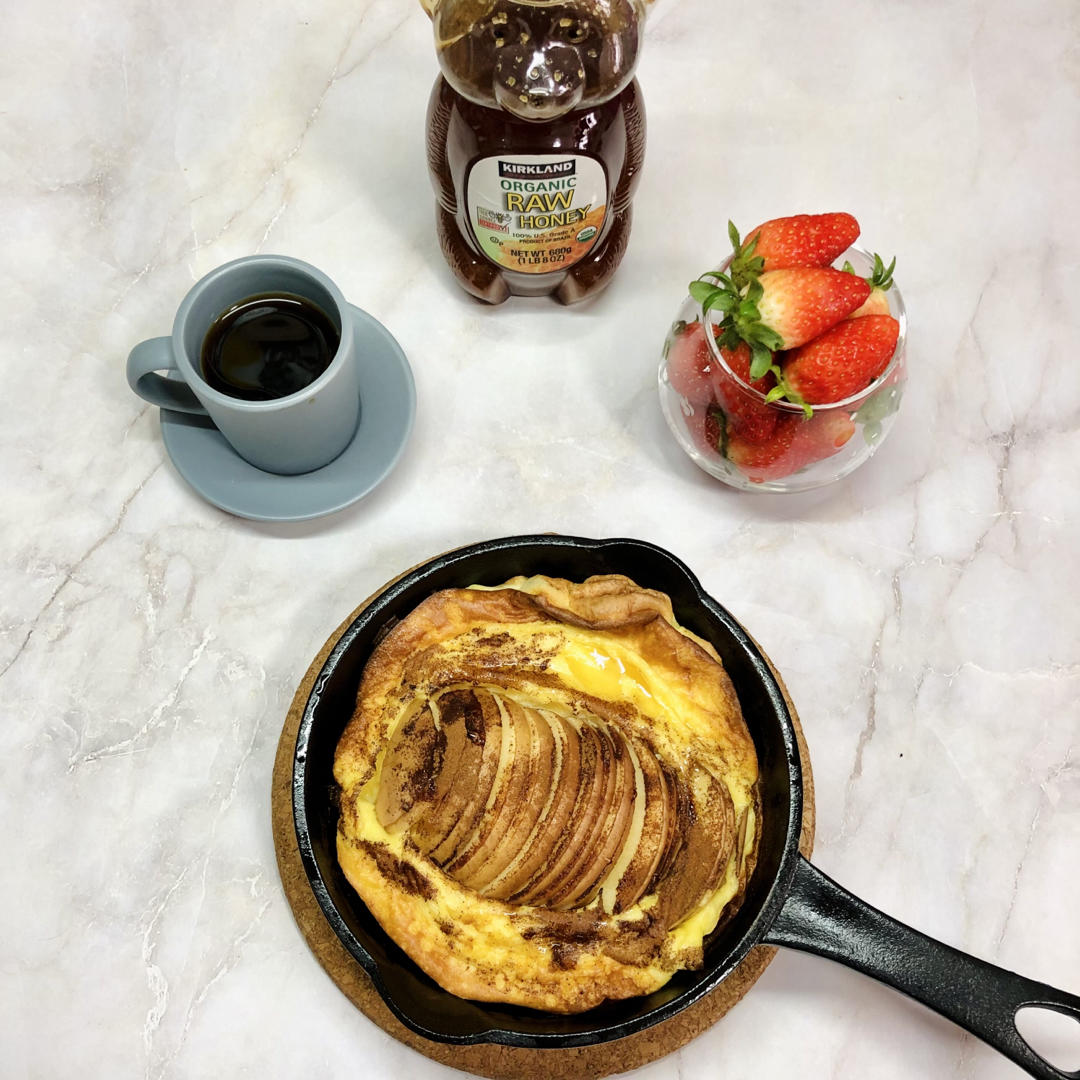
{"points": [[737, 296], [775, 393], [701, 291], [760, 361], [716, 277], [789, 393], [748, 311], [733, 236], [769, 337], [725, 301], [880, 277], [729, 336]]}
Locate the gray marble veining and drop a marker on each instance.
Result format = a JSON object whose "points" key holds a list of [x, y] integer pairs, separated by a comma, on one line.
{"points": [[923, 611]]}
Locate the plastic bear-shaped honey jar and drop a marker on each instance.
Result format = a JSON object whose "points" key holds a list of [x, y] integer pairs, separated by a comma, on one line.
{"points": [[535, 139]]}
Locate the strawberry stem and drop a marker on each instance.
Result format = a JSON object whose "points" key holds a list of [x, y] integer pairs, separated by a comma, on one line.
{"points": [[745, 266], [880, 277]]}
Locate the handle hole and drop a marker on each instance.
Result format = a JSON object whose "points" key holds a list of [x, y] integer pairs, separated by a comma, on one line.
{"points": [[1053, 1034]]}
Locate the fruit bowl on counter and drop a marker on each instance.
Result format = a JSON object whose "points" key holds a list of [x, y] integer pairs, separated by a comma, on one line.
{"points": [[784, 369]]}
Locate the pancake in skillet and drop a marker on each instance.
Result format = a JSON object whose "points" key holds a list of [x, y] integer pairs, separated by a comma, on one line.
{"points": [[548, 791]]}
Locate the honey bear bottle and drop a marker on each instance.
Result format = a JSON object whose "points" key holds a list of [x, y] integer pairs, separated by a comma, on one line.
{"points": [[535, 139]]}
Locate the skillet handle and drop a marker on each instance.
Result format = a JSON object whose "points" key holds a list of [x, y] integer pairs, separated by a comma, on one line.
{"points": [[820, 917]]}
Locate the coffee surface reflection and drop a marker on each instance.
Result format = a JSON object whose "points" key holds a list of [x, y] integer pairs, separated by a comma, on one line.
{"points": [[268, 346]]}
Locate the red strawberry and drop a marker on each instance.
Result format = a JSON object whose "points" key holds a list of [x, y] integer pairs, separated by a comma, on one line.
{"points": [[738, 360], [689, 364], [795, 443], [821, 436], [802, 240], [766, 461], [705, 425], [799, 305], [877, 304], [844, 360], [778, 310], [747, 415]]}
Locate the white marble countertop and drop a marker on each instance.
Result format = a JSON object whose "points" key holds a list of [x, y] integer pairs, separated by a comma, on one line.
{"points": [[923, 612]]}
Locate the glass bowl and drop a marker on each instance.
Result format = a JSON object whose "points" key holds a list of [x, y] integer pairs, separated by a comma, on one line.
{"points": [[790, 452]]}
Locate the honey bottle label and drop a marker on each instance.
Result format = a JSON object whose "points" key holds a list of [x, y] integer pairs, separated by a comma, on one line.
{"points": [[536, 213]]}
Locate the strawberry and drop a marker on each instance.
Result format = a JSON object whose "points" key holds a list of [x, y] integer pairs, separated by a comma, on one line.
{"points": [[693, 373], [747, 415], [706, 427], [821, 436], [842, 361], [689, 363], [880, 282], [796, 442], [781, 309], [798, 305], [769, 460], [877, 303], [800, 240], [738, 360]]}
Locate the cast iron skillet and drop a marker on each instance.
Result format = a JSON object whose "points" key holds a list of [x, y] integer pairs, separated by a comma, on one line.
{"points": [[787, 902]]}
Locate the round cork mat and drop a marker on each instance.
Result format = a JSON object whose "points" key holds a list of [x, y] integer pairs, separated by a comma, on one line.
{"points": [[491, 1059]]}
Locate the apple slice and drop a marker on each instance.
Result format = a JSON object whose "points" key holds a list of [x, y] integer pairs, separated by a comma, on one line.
{"points": [[454, 737], [491, 851], [613, 833], [678, 821], [591, 835], [410, 767], [709, 845], [541, 795], [741, 854], [633, 879], [461, 721], [541, 850], [591, 789], [468, 795], [716, 813]]}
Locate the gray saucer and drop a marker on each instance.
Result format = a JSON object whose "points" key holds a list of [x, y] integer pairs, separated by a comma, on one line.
{"points": [[387, 407]]}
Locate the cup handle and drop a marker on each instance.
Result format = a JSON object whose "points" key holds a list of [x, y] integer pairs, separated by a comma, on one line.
{"points": [[144, 363]]}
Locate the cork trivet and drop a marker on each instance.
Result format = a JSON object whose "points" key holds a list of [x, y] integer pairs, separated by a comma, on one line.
{"points": [[490, 1059]]}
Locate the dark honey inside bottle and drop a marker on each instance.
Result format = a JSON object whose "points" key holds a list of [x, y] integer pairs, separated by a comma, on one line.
{"points": [[536, 136]]}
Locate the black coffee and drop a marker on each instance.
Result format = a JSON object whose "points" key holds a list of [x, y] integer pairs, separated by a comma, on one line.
{"points": [[268, 346]]}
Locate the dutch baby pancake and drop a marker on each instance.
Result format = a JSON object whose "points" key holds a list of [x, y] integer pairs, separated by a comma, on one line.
{"points": [[548, 791]]}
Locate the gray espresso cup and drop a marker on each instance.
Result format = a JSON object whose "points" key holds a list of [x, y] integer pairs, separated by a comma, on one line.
{"points": [[291, 434]]}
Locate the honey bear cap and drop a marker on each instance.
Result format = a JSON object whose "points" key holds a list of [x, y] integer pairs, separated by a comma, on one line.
{"points": [[462, 15]]}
